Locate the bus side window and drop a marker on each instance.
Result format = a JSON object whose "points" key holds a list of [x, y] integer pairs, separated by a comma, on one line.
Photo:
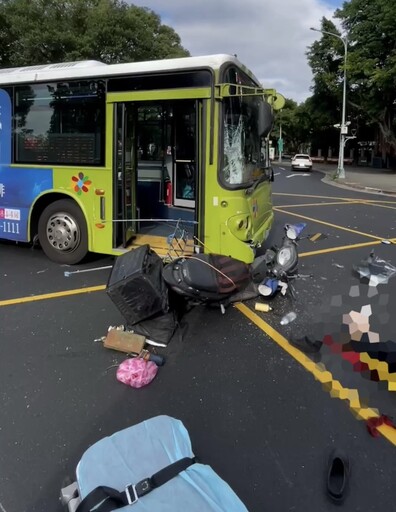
{"points": [[60, 123]]}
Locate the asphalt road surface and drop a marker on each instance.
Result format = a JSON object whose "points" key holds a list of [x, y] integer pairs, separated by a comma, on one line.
{"points": [[263, 414]]}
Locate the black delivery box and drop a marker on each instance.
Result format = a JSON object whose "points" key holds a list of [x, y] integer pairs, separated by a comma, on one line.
{"points": [[136, 285]]}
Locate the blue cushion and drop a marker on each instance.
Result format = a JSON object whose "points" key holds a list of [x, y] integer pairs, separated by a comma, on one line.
{"points": [[140, 451]]}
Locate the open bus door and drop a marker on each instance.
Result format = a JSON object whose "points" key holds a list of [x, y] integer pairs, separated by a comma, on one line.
{"points": [[125, 181], [156, 172]]}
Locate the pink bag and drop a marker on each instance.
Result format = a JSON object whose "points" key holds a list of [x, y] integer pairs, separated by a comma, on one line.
{"points": [[136, 372]]}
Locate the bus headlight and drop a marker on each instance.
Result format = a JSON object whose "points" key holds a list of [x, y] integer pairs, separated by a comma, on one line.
{"points": [[240, 226]]}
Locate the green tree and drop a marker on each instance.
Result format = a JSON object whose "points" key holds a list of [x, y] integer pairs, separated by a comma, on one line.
{"points": [[371, 69], [296, 124], [43, 31], [371, 29], [324, 106]]}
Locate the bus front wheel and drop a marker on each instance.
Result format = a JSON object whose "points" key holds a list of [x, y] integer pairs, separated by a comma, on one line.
{"points": [[63, 233]]}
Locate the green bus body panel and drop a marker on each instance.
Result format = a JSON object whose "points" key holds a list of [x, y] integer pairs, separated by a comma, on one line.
{"points": [[99, 232], [222, 210], [158, 95], [225, 209]]}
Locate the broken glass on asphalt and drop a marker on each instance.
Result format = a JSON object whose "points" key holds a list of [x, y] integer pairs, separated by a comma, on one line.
{"points": [[375, 269]]}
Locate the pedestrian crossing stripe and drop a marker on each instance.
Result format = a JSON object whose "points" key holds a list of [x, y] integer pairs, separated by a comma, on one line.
{"points": [[317, 237]]}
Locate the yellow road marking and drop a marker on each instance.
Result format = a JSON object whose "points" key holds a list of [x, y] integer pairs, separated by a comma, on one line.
{"points": [[382, 369], [379, 205], [320, 373], [334, 387], [333, 197], [317, 204], [343, 248], [336, 249], [313, 196], [45, 296], [328, 224]]}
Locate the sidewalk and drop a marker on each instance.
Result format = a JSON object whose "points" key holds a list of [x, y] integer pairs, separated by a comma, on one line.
{"points": [[367, 179]]}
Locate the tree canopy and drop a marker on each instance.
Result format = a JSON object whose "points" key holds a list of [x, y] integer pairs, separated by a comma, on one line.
{"points": [[44, 31], [370, 30]]}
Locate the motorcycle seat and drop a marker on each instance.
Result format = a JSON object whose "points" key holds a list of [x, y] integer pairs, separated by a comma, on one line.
{"points": [[213, 275], [198, 274]]}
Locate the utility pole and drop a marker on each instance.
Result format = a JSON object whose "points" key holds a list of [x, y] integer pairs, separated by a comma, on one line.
{"points": [[343, 126], [280, 140]]}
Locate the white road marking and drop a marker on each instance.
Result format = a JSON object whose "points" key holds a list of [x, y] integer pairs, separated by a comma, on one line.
{"points": [[277, 174], [283, 169], [2, 508], [304, 174]]}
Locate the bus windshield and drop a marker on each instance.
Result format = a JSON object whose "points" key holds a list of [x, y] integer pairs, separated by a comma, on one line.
{"points": [[245, 125]]}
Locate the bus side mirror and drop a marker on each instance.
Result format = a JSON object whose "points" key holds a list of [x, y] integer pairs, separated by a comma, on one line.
{"points": [[265, 119]]}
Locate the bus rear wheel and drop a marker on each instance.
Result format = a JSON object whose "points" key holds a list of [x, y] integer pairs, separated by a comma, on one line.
{"points": [[63, 233]]}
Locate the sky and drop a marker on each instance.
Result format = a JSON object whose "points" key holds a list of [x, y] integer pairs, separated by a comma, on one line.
{"points": [[269, 36]]}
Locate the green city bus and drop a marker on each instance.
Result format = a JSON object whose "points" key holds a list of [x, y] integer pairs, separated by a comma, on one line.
{"points": [[104, 158]]}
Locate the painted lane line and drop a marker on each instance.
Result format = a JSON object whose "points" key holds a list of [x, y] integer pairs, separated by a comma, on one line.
{"points": [[79, 291], [292, 175], [282, 168], [328, 224], [317, 204], [339, 248], [334, 197], [55, 295], [379, 205], [277, 174], [321, 374], [314, 196], [2, 508]]}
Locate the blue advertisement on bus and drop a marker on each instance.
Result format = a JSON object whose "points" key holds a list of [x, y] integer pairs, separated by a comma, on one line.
{"points": [[19, 186]]}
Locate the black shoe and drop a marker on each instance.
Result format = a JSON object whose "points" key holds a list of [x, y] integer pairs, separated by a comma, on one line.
{"points": [[337, 475], [306, 344]]}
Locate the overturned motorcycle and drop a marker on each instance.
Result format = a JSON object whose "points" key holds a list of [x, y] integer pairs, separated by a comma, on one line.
{"points": [[219, 280]]}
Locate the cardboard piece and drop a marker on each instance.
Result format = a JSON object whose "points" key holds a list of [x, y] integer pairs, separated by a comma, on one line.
{"points": [[128, 342]]}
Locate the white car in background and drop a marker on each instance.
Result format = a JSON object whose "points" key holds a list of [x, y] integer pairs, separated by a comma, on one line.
{"points": [[301, 161]]}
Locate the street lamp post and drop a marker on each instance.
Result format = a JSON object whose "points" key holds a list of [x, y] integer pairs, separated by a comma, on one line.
{"points": [[343, 127]]}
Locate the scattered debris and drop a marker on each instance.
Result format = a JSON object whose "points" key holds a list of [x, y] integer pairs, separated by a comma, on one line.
{"points": [[42, 271], [265, 308], [155, 343], [130, 343], [287, 319], [68, 274], [124, 341], [293, 231], [136, 372], [317, 237], [387, 242], [338, 265], [116, 327], [283, 287], [376, 270], [268, 287]]}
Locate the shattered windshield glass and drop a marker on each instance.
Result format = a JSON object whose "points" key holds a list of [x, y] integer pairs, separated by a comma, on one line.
{"points": [[244, 150]]}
